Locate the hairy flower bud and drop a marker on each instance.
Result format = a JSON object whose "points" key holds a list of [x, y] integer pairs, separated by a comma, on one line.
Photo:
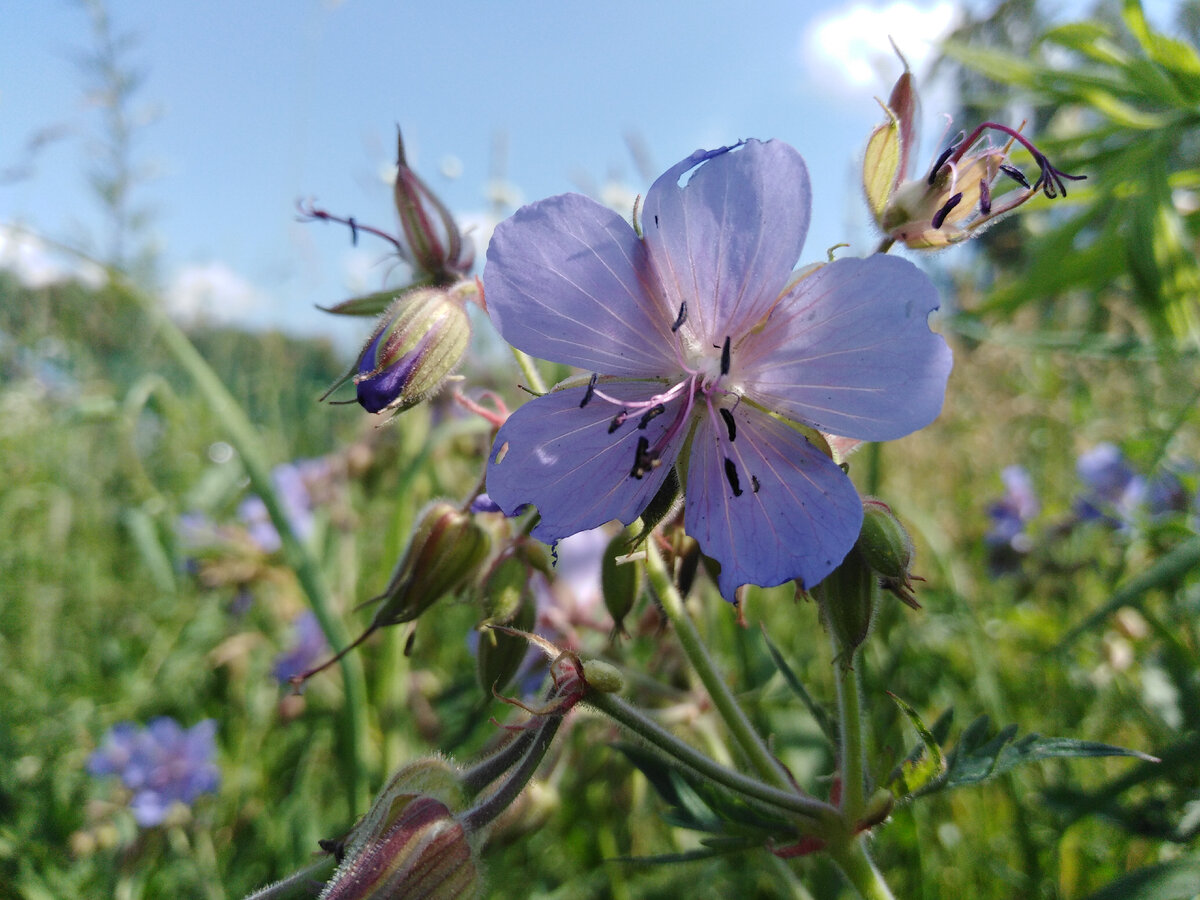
{"points": [[420, 850], [848, 597], [510, 603], [620, 580], [432, 239], [445, 551], [888, 549], [420, 340]]}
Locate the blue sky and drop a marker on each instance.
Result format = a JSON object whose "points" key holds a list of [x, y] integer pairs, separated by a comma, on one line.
{"points": [[258, 104]]}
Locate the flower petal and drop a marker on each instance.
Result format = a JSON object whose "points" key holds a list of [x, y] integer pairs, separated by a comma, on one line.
{"points": [[566, 460], [565, 281], [767, 505], [726, 242], [849, 351]]}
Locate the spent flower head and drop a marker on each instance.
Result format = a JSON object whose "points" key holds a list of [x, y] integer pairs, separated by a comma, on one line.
{"points": [[711, 354], [956, 197], [162, 764]]}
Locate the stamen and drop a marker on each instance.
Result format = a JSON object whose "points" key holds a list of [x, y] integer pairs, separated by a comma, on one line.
{"points": [[985, 197], [754, 485], [681, 318], [618, 421], [725, 355], [590, 392], [732, 476], [644, 460], [1015, 174], [729, 422], [651, 413], [353, 231], [943, 156], [940, 216]]}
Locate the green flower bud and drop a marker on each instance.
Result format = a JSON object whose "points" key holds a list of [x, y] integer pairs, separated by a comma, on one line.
{"points": [[444, 553], [500, 655], [888, 549], [848, 598], [433, 241], [620, 582]]}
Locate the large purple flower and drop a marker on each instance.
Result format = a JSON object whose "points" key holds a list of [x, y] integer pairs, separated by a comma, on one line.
{"points": [[713, 354]]}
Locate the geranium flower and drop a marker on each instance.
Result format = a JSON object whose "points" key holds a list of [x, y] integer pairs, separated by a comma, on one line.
{"points": [[712, 354]]}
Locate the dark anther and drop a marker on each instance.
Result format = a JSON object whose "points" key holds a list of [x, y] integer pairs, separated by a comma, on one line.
{"points": [[985, 197], [645, 460], [940, 216], [353, 231], [591, 390], [754, 485], [681, 318], [943, 156], [1051, 179], [725, 357], [732, 476], [729, 423], [618, 421], [652, 413], [655, 221], [1015, 174]]}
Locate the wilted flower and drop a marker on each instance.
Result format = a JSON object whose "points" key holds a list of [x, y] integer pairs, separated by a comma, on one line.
{"points": [[308, 645], [434, 243], [719, 358], [955, 198], [162, 764]]}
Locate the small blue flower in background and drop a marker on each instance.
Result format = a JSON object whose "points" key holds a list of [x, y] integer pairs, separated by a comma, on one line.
{"points": [[1013, 512], [308, 648], [294, 484], [1113, 491], [162, 764], [708, 350]]}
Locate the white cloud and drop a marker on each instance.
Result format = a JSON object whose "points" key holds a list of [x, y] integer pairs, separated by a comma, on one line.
{"points": [[214, 292], [37, 264], [849, 47]]}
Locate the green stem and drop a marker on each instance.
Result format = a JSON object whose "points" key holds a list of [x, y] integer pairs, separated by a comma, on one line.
{"points": [[736, 720], [529, 370], [654, 734], [856, 864], [850, 727], [298, 884], [299, 557]]}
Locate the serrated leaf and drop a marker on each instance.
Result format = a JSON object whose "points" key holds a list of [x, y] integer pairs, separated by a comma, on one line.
{"points": [[923, 765]]}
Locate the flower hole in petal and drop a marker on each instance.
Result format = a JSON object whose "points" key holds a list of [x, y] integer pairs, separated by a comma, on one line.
{"points": [[501, 452]]}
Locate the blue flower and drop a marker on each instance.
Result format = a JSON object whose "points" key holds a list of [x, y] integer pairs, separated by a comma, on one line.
{"points": [[308, 646], [1113, 491], [162, 764], [710, 354], [1012, 512]]}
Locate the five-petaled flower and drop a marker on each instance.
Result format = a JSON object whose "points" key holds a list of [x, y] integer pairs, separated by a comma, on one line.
{"points": [[712, 355]]}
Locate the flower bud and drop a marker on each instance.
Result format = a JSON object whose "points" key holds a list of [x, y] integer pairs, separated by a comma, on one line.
{"points": [[500, 654], [420, 340], [888, 549], [422, 850], [432, 239], [445, 551], [620, 581], [848, 598]]}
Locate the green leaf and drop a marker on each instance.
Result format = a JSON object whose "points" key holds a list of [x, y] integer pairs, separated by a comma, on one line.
{"points": [[925, 764], [1178, 879], [818, 712], [367, 304], [881, 164]]}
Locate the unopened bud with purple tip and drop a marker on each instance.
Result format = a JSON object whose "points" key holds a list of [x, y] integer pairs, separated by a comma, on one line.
{"points": [[420, 340]]}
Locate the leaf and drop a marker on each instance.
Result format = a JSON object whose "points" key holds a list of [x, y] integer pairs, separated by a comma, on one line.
{"points": [[977, 758], [367, 304], [920, 767], [881, 164], [1178, 879], [818, 712]]}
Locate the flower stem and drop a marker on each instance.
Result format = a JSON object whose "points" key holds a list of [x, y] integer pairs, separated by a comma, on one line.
{"points": [[298, 884], [850, 728], [529, 370], [856, 864], [736, 720], [299, 557], [679, 751]]}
